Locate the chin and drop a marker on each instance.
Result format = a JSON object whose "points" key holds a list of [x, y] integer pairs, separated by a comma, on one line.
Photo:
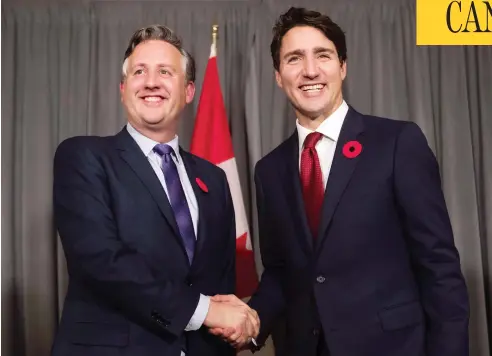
{"points": [[312, 108], [152, 121], [312, 112]]}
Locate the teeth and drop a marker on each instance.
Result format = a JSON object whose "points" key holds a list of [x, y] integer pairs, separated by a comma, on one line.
{"points": [[152, 98], [315, 87]]}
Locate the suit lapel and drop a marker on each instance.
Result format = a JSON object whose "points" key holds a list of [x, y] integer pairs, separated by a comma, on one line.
{"points": [[202, 199], [293, 192], [341, 170], [134, 157]]}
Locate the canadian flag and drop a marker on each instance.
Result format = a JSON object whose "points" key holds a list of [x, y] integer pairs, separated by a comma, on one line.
{"points": [[212, 141]]}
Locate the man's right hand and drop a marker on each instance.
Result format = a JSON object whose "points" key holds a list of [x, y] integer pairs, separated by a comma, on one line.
{"points": [[232, 319]]}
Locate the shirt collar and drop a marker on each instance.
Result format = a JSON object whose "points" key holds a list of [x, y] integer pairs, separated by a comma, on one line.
{"points": [[147, 144], [330, 127]]}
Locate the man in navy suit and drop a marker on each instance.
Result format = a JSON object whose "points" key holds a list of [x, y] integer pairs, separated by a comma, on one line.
{"points": [[355, 236], [147, 229]]}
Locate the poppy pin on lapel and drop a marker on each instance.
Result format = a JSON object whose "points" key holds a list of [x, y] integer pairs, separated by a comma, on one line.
{"points": [[202, 185], [352, 149]]}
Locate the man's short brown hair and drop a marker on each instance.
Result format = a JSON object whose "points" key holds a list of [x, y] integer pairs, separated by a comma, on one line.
{"points": [[297, 16], [160, 33]]}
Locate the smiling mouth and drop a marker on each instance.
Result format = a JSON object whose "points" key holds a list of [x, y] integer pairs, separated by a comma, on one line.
{"points": [[312, 88], [153, 99]]}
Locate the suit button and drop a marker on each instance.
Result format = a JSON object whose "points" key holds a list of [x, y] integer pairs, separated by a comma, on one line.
{"points": [[320, 279], [315, 332], [162, 322], [154, 315]]}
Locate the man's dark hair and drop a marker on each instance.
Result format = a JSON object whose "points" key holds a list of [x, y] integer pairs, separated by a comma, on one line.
{"points": [[296, 16], [161, 33]]}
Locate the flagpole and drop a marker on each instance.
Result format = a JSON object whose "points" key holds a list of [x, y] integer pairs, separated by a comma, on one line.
{"points": [[213, 47], [215, 30]]}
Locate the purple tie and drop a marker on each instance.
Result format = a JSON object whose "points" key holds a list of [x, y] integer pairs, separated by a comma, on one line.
{"points": [[177, 198]]}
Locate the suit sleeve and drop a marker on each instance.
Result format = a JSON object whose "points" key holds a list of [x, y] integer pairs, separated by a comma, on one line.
{"points": [[431, 245], [95, 255], [268, 300]]}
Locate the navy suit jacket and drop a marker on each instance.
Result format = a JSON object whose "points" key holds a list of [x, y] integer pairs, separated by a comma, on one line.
{"points": [[383, 277], [132, 290]]}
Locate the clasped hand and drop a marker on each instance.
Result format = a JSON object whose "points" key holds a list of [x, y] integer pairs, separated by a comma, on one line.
{"points": [[233, 320]]}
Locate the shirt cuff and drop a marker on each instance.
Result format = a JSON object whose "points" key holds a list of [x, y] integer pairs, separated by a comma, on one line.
{"points": [[200, 314]]}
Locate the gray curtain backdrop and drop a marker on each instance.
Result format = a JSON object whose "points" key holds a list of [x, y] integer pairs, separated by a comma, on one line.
{"points": [[61, 66]]}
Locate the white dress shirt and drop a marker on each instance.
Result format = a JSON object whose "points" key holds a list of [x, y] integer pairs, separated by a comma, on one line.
{"points": [[146, 145], [325, 147]]}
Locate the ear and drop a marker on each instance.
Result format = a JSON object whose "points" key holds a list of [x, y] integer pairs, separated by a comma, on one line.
{"points": [[278, 78], [190, 92], [122, 89], [343, 70]]}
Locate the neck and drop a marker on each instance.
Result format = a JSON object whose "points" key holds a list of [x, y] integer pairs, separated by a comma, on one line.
{"points": [[312, 122], [157, 134]]}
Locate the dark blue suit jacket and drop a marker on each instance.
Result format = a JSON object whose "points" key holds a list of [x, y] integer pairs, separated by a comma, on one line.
{"points": [[383, 278], [132, 290]]}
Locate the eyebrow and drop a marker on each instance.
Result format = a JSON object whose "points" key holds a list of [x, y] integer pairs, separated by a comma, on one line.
{"points": [[159, 65], [324, 49], [300, 52]]}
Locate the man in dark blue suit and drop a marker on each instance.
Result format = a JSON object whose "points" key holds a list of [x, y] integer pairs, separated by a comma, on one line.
{"points": [[355, 236], [147, 229]]}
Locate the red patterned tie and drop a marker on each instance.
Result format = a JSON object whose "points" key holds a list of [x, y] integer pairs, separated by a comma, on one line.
{"points": [[312, 181]]}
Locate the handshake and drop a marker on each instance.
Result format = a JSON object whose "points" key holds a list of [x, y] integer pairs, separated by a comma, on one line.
{"points": [[233, 320]]}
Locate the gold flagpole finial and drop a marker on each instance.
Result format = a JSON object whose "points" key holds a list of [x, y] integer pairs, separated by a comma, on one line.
{"points": [[215, 30]]}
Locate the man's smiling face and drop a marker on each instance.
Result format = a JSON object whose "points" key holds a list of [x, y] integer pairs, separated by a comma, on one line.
{"points": [[310, 73]]}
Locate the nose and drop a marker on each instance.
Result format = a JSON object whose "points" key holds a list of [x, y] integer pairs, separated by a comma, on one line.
{"points": [[151, 80], [311, 69]]}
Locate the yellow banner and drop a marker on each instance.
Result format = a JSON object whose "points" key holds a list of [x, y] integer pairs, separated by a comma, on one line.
{"points": [[452, 22]]}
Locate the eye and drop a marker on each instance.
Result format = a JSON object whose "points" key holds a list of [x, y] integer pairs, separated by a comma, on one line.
{"points": [[164, 71], [138, 72], [324, 56], [293, 59]]}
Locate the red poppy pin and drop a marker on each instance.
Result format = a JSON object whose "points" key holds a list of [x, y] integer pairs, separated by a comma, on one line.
{"points": [[352, 149], [202, 185]]}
